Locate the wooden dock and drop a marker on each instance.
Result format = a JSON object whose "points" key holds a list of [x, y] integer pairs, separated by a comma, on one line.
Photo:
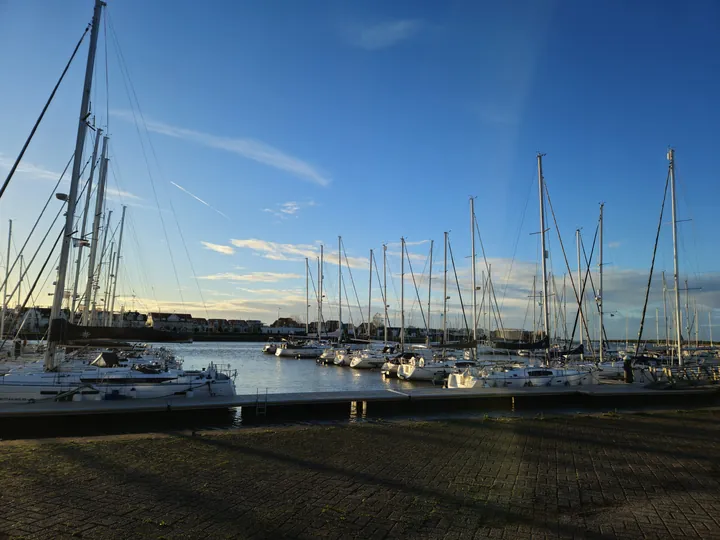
{"points": [[310, 405]]}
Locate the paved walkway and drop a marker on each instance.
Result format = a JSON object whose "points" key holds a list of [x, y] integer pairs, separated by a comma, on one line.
{"points": [[634, 476]]}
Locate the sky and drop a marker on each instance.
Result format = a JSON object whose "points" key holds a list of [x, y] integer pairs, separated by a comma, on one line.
{"points": [[243, 135]]}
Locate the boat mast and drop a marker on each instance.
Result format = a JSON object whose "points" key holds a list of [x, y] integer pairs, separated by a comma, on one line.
{"points": [[307, 297], [340, 328], [667, 333], [319, 310], [108, 284], [489, 309], [370, 293], [385, 298], [20, 300], [676, 270], [445, 296], [80, 243], [74, 181], [402, 294], [687, 312], [427, 322], [697, 327], [117, 267], [474, 284], [546, 315], [7, 277], [710, 326], [657, 326], [600, 288], [534, 301], [96, 286], [99, 198]]}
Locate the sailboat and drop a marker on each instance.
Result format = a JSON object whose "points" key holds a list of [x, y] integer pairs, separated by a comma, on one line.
{"points": [[106, 377]]}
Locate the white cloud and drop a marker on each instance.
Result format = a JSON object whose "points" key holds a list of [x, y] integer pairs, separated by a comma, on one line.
{"points": [[290, 208], [411, 256], [247, 148], [24, 167], [613, 245], [262, 277], [408, 243], [225, 250], [384, 34], [112, 193], [296, 252], [38, 171]]}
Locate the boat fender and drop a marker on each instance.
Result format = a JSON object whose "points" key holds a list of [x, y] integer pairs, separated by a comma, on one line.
{"points": [[421, 362]]}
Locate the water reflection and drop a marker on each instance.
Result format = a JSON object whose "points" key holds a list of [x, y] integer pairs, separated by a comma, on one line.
{"points": [[258, 371]]}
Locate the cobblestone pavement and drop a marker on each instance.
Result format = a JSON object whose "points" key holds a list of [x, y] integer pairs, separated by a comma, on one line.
{"points": [[601, 476]]}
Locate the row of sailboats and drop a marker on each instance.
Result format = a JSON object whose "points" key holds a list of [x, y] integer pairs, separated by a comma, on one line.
{"points": [[575, 367]]}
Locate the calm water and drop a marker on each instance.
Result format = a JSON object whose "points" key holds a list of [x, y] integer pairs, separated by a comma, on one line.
{"points": [[258, 371]]}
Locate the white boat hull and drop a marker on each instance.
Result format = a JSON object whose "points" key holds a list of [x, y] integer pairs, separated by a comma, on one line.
{"points": [[427, 372], [389, 369], [367, 362], [558, 378], [77, 386], [304, 352]]}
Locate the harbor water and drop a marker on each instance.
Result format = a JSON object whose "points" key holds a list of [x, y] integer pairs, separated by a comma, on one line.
{"points": [[258, 372]]}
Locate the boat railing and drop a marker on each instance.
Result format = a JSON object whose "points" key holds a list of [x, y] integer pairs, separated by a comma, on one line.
{"points": [[227, 370]]}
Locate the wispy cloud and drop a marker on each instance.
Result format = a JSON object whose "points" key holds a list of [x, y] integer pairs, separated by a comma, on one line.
{"points": [[37, 171], [287, 209], [613, 245], [296, 252], [225, 250], [199, 199], [408, 243], [384, 34], [261, 277], [113, 193], [247, 148], [412, 256]]}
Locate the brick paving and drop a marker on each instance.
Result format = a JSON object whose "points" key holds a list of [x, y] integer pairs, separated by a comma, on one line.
{"points": [[607, 476]]}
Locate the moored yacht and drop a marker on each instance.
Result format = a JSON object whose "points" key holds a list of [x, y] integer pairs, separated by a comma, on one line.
{"points": [[522, 377], [289, 349], [105, 378], [270, 347]]}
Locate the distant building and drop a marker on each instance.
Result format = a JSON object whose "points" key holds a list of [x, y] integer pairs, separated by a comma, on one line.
{"points": [[218, 325], [254, 326], [199, 325], [286, 326], [134, 319], [238, 326], [170, 322]]}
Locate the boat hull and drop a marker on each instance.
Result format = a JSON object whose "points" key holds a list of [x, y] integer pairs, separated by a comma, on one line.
{"points": [[424, 373], [299, 353], [367, 363], [52, 386]]}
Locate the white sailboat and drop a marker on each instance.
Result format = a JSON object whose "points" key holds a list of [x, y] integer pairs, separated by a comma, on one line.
{"points": [[290, 349], [522, 377]]}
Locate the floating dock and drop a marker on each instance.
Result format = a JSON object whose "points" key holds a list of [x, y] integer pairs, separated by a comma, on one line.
{"points": [[385, 402]]}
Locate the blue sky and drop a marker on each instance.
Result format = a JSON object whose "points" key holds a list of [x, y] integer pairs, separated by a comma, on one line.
{"points": [[297, 122]]}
